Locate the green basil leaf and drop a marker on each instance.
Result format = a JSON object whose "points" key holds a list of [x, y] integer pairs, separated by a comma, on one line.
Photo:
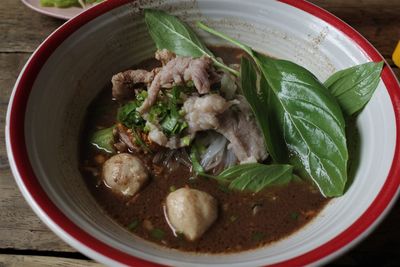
{"points": [[103, 139], [310, 120], [354, 87], [259, 97], [171, 33], [255, 177]]}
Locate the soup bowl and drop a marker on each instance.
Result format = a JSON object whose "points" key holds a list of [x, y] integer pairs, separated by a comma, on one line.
{"points": [[74, 63]]}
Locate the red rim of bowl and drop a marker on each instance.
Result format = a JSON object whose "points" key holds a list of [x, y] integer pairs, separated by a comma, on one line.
{"points": [[17, 145]]}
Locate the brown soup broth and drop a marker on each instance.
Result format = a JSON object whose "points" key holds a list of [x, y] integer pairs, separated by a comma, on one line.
{"points": [[245, 220]]}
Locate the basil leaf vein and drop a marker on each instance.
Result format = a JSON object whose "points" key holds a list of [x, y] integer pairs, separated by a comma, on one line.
{"points": [[255, 177]]}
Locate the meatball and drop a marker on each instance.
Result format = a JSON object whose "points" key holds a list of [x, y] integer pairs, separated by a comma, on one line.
{"points": [[125, 174], [191, 212]]}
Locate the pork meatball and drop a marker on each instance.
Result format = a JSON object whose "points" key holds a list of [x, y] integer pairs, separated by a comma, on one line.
{"points": [[125, 174], [191, 212]]}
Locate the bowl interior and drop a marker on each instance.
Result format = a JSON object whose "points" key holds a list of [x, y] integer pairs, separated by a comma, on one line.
{"points": [[80, 67]]}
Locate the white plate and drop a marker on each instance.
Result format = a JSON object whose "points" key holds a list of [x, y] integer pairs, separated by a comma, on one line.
{"points": [[61, 13]]}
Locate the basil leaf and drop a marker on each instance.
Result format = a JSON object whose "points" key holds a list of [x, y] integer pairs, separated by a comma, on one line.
{"points": [[173, 122], [310, 120], [312, 123], [255, 176], [171, 33], [259, 97], [354, 87], [103, 139]]}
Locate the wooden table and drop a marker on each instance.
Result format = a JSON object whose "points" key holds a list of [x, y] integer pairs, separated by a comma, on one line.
{"points": [[26, 241]]}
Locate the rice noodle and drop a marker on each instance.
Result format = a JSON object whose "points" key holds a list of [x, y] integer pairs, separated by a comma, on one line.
{"points": [[230, 158], [216, 153], [172, 158]]}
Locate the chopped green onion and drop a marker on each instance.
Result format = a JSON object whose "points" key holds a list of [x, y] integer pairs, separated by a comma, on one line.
{"points": [[182, 127], [157, 233], [139, 141], [128, 115], [257, 236], [294, 215], [172, 188], [133, 225], [189, 85], [181, 113], [186, 140], [233, 218], [142, 96], [169, 124], [146, 128], [180, 235]]}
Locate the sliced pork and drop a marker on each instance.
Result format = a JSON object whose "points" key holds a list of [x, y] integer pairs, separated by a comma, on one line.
{"points": [[201, 111], [178, 71], [164, 56], [213, 112], [124, 82], [241, 130]]}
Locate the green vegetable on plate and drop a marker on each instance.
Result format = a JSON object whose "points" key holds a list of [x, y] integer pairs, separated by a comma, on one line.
{"points": [[67, 3]]}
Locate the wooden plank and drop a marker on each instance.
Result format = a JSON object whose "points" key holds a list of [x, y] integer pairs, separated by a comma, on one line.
{"points": [[23, 29], [19, 226], [41, 261], [355, 3]]}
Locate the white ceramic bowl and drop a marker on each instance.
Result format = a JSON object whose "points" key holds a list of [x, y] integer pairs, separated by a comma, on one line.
{"points": [[73, 64]]}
